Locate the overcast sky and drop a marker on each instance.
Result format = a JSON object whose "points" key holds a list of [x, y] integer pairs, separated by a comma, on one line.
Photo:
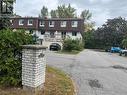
{"points": [[101, 9]]}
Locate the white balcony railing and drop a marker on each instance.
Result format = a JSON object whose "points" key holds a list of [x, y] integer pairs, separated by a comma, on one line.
{"points": [[53, 38]]}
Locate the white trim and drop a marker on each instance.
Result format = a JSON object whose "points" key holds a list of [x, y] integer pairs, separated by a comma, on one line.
{"points": [[74, 23], [51, 23], [41, 23], [30, 24], [20, 22], [63, 23]]}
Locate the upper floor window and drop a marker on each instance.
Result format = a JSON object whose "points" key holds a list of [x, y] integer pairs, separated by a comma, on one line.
{"points": [[30, 22], [51, 24], [21, 22], [63, 23], [42, 23], [74, 23]]}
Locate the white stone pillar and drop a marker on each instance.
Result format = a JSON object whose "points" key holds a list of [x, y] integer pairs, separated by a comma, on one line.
{"points": [[33, 68]]}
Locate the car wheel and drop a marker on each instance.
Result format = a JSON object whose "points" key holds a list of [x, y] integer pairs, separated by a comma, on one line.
{"points": [[120, 54]]}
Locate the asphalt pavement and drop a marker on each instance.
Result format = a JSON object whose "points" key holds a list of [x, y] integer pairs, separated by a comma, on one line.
{"points": [[94, 72]]}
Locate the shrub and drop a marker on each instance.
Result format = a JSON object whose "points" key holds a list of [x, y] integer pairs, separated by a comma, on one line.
{"points": [[124, 42], [10, 56], [69, 45]]}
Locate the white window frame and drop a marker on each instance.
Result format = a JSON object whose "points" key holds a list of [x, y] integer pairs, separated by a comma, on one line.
{"points": [[51, 23], [21, 22], [74, 23], [42, 24], [30, 24], [63, 23]]}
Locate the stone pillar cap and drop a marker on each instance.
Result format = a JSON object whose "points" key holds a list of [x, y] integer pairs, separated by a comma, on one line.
{"points": [[34, 47]]}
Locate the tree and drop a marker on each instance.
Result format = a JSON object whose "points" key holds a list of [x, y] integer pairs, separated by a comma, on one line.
{"points": [[70, 12], [70, 45], [89, 26], [44, 12], [10, 56], [86, 15], [112, 33], [6, 8], [88, 38], [63, 11], [53, 14], [124, 42], [4, 23]]}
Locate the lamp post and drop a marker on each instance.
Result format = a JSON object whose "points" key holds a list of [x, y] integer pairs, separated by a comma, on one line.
{"points": [[35, 38]]}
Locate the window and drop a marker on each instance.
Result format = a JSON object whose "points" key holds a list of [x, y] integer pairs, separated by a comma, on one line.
{"points": [[63, 35], [31, 32], [63, 23], [21, 22], [51, 24], [52, 34], [74, 23], [42, 32], [30, 22], [74, 33], [42, 23]]}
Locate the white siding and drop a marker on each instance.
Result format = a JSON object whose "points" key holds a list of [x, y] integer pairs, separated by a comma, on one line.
{"points": [[58, 37], [69, 34]]}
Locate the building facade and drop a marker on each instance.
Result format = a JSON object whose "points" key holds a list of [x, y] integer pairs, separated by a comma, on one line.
{"points": [[50, 30]]}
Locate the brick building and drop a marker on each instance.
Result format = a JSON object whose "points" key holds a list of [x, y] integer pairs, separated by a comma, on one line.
{"points": [[50, 30]]}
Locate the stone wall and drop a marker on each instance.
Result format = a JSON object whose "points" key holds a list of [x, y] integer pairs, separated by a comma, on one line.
{"points": [[33, 66]]}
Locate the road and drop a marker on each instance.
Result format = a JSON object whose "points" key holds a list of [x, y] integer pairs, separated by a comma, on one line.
{"points": [[94, 72]]}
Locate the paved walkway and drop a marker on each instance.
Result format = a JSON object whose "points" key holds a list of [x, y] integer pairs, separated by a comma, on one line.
{"points": [[95, 73]]}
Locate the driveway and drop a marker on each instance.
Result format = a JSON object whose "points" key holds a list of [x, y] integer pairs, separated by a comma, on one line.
{"points": [[95, 73]]}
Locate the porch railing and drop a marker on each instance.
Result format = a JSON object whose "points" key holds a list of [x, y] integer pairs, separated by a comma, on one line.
{"points": [[53, 38]]}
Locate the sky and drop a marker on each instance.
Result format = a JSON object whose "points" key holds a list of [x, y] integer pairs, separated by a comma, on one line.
{"points": [[101, 9]]}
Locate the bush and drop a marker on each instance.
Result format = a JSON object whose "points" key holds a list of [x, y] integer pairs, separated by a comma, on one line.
{"points": [[124, 42], [69, 45], [10, 56]]}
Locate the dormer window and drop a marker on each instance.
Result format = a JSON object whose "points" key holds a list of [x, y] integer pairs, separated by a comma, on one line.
{"points": [[74, 23], [51, 24], [63, 23], [30, 22], [21, 22], [42, 23]]}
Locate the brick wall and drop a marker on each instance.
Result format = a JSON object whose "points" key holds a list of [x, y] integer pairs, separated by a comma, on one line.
{"points": [[33, 66]]}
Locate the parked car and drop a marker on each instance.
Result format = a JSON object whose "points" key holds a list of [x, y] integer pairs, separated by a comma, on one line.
{"points": [[115, 49], [55, 47], [123, 52]]}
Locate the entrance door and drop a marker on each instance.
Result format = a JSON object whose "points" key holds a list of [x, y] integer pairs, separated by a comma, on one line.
{"points": [[52, 34], [63, 35]]}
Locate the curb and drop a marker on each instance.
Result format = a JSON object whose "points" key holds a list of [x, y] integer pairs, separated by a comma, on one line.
{"points": [[75, 87], [74, 84]]}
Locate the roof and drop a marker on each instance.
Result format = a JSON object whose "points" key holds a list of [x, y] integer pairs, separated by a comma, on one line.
{"points": [[47, 18]]}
